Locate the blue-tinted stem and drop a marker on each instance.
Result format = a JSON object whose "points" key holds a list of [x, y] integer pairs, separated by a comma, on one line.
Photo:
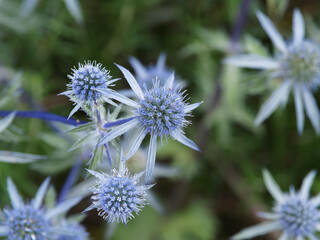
{"points": [[102, 135], [72, 176], [44, 116], [117, 123]]}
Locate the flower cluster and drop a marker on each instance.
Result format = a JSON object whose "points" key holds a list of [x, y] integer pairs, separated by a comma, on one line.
{"points": [[159, 109]]}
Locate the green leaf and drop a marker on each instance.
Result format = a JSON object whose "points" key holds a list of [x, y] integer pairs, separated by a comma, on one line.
{"points": [[81, 128], [11, 91], [50, 198], [97, 157], [17, 157], [254, 46], [85, 140]]}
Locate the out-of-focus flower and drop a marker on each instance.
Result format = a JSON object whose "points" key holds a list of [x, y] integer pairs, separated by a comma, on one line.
{"points": [[73, 227], [87, 83], [117, 196], [145, 75], [295, 213], [296, 64], [29, 221], [160, 111]]}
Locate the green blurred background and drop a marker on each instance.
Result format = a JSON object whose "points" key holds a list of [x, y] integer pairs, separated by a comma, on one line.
{"points": [[221, 188]]}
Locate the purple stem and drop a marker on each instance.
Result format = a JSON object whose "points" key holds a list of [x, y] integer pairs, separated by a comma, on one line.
{"points": [[239, 24], [72, 176], [44, 116], [117, 123]]}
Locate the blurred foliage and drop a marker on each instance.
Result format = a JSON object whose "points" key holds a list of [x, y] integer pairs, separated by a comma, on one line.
{"points": [[218, 190]]}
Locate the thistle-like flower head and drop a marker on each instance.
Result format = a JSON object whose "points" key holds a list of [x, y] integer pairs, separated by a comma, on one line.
{"points": [[26, 223], [299, 217], [159, 111], [89, 84], [118, 196], [31, 221], [145, 75], [301, 64], [294, 213], [296, 64]]}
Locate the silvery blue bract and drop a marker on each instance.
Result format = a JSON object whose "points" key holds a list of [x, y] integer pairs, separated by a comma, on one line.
{"points": [[294, 213], [145, 75], [296, 63]]}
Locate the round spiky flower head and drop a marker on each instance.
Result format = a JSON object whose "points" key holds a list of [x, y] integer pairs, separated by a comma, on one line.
{"points": [[301, 64], [160, 111], [118, 196], [31, 221], [296, 214], [26, 223], [89, 84], [296, 64]]}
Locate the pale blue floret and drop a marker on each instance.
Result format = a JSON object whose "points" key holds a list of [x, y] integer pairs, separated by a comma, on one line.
{"points": [[29, 221], [294, 213], [145, 75], [296, 63], [87, 83], [118, 196], [159, 111]]}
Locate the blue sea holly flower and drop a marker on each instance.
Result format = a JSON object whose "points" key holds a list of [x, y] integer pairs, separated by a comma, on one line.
{"points": [[118, 196], [87, 81], [160, 111], [296, 64], [294, 213], [145, 75], [29, 221], [73, 227]]}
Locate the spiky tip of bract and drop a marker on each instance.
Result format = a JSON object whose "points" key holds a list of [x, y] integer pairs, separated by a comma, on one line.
{"points": [[87, 80], [118, 197], [161, 112], [26, 223]]}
